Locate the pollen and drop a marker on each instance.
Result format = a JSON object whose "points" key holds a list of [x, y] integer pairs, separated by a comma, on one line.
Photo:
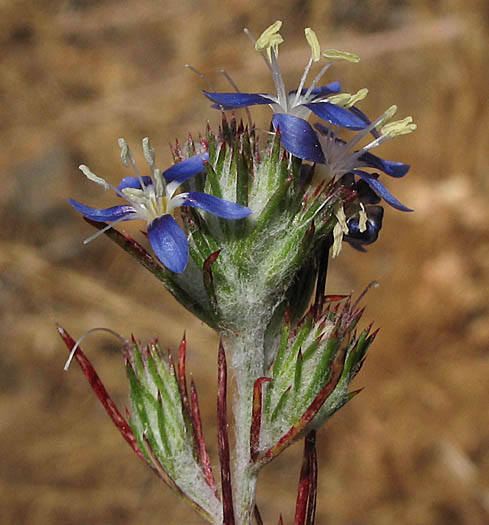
{"points": [[362, 222], [334, 54], [340, 229], [399, 127], [270, 37], [313, 42], [357, 97]]}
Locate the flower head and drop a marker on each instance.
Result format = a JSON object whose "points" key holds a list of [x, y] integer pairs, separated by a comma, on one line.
{"points": [[293, 108], [341, 158], [342, 162], [153, 199]]}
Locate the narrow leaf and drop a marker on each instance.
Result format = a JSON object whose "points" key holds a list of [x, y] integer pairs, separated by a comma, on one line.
{"points": [[208, 279], [132, 247], [182, 380], [203, 454], [101, 392], [308, 415], [256, 416]]}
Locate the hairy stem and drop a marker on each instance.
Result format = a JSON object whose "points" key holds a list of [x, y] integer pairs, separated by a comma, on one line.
{"points": [[247, 360]]}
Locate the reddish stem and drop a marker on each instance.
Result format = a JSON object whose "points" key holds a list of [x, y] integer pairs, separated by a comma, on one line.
{"points": [[223, 439], [258, 518], [310, 443], [305, 509]]}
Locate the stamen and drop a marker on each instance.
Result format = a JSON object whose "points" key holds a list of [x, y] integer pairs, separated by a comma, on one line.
{"points": [[387, 115], [125, 342], [201, 75], [262, 53], [339, 230], [149, 153], [247, 32], [159, 184], [278, 81], [91, 176], [357, 97], [227, 76], [175, 202], [235, 86], [334, 54], [399, 127], [171, 188], [269, 37], [341, 99], [302, 82], [362, 222], [313, 42], [317, 78], [126, 157], [373, 284], [103, 230]]}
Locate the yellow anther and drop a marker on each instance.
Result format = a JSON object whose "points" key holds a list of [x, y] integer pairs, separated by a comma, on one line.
{"points": [[340, 100], [340, 229], [387, 116], [91, 176], [313, 42], [359, 95], [334, 54], [362, 222], [135, 194], [399, 127], [269, 37]]}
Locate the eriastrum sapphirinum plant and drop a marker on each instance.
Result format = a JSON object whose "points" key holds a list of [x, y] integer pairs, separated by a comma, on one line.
{"points": [[242, 230]]}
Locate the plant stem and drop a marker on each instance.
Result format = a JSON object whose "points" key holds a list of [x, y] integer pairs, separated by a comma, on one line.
{"points": [[246, 355]]}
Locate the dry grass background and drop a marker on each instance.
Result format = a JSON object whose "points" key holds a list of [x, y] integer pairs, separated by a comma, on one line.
{"points": [[77, 74]]}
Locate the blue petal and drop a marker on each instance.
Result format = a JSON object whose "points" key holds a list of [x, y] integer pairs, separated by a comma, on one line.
{"points": [[321, 91], [222, 107], [381, 190], [298, 137], [134, 182], [216, 206], [103, 215], [375, 215], [369, 236], [390, 167], [367, 121], [328, 132], [169, 243], [336, 115], [186, 169], [237, 100], [366, 195], [334, 87]]}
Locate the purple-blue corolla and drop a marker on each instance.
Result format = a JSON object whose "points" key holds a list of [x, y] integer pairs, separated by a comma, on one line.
{"points": [[292, 109], [152, 199]]}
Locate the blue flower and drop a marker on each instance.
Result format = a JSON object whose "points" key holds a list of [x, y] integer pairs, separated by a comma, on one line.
{"points": [[293, 108], [341, 158], [362, 234], [153, 199]]}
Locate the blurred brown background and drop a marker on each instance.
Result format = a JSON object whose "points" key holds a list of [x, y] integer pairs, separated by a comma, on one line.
{"points": [[75, 75]]}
